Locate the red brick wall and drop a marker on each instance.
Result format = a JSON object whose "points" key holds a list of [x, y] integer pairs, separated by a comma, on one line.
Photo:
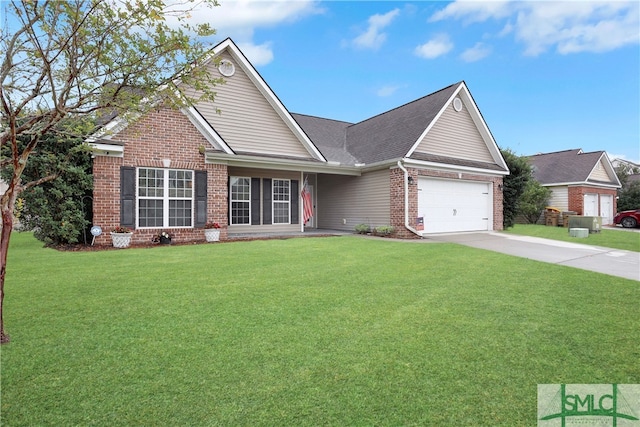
{"points": [[161, 134], [576, 198], [397, 196]]}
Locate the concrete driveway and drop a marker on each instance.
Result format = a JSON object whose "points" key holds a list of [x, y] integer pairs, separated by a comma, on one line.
{"points": [[615, 262]]}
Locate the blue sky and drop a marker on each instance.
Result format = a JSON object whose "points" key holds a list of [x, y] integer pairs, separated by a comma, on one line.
{"points": [[547, 76]]}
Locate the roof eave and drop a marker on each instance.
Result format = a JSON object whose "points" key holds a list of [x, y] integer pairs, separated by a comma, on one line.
{"points": [[454, 168], [274, 163]]}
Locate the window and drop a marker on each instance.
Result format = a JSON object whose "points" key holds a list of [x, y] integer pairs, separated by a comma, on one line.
{"points": [[240, 200], [165, 198], [281, 201]]}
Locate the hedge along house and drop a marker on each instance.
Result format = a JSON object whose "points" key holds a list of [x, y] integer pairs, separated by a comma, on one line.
{"points": [[428, 166], [585, 183]]}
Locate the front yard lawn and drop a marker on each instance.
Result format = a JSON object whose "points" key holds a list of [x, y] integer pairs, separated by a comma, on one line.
{"points": [[333, 331], [617, 239]]}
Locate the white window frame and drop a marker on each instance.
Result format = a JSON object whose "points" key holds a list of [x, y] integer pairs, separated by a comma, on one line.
{"points": [[232, 200], [280, 202], [166, 199]]}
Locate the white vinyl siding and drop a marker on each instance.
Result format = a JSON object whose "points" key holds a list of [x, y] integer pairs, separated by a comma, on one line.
{"points": [[559, 198], [456, 135], [599, 173], [344, 202], [246, 120]]}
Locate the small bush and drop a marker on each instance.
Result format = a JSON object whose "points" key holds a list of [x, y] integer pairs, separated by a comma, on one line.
{"points": [[362, 228], [384, 230]]}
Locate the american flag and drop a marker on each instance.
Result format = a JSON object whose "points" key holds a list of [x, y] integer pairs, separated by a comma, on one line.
{"points": [[307, 206]]}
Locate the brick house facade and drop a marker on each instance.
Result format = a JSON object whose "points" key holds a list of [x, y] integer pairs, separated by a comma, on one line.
{"points": [[257, 158]]}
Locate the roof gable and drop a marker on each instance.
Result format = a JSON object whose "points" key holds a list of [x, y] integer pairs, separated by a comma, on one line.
{"points": [[573, 167], [392, 134], [247, 115]]}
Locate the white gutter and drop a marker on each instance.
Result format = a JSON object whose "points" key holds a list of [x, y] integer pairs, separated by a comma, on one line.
{"points": [[406, 200]]}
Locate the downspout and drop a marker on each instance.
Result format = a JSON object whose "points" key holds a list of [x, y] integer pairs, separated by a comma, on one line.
{"points": [[406, 200]]}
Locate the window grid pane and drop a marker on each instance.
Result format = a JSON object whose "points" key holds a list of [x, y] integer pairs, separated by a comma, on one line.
{"points": [[180, 184], [179, 213], [150, 213], [281, 199], [240, 200], [151, 183]]}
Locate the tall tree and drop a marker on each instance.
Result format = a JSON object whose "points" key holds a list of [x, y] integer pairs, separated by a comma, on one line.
{"points": [[69, 60], [514, 185]]}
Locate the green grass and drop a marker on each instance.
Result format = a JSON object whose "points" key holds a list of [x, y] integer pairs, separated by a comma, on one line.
{"points": [[334, 331], [617, 239]]}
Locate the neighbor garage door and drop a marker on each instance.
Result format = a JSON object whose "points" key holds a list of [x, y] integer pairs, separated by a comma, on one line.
{"points": [[451, 205]]}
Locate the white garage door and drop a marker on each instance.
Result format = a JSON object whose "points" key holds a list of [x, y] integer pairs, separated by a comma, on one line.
{"points": [[606, 208], [590, 205], [451, 206]]}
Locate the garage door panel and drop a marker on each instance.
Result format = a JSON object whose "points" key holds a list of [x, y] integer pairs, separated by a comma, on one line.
{"points": [[451, 206]]}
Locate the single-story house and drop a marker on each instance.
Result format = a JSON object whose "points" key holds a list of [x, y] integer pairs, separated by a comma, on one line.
{"points": [[584, 183], [428, 166]]}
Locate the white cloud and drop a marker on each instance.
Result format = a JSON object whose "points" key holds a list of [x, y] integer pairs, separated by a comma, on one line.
{"points": [[437, 46], [568, 26], [239, 19], [257, 54], [477, 52], [373, 38], [389, 90]]}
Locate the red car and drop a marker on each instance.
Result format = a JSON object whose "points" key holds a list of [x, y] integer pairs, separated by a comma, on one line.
{"points": [[628, 219]]}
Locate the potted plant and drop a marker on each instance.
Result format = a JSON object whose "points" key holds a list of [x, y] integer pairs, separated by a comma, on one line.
{"points": [[164, 238], [121, 237], [212, 232]]}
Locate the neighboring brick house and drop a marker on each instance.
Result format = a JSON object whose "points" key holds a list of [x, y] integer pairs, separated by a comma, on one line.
{"points": [[244, 160], [584, 183]]}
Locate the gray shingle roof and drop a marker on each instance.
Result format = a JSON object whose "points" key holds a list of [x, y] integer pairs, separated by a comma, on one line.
{"points": [[387, 136], [564, 166], [328, 135]]}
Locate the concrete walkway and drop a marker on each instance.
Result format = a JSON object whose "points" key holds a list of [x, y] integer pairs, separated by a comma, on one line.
{"points": [[615, 262]]}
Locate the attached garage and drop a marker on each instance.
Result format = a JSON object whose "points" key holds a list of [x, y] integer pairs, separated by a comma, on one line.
{"points": [[453, 206]]}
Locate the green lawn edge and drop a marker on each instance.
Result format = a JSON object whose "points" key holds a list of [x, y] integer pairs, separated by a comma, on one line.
{"points": [[616, 239]]}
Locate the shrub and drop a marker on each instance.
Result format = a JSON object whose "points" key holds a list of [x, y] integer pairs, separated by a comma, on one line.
{"points": [[384, 230], [362, 228]]}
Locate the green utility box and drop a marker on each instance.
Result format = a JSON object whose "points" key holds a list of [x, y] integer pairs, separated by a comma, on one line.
{"points": [[593, 223]]}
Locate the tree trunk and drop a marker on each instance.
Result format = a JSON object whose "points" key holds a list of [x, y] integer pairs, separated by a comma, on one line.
{"points": [[8, 202]]}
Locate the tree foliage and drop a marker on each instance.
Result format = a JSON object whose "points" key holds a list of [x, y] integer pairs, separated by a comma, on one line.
{"points": [[514, 185], [533, 201], [57, 211], [78, 59], [629, 197]]}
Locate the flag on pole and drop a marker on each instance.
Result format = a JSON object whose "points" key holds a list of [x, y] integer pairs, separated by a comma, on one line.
{"points": [[307, 204]]}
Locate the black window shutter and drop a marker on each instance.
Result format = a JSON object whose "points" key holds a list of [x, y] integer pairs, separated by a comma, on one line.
{"points": [[295, 197], [128, 196], [201, 199], [266, 197], [255, 201]]}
